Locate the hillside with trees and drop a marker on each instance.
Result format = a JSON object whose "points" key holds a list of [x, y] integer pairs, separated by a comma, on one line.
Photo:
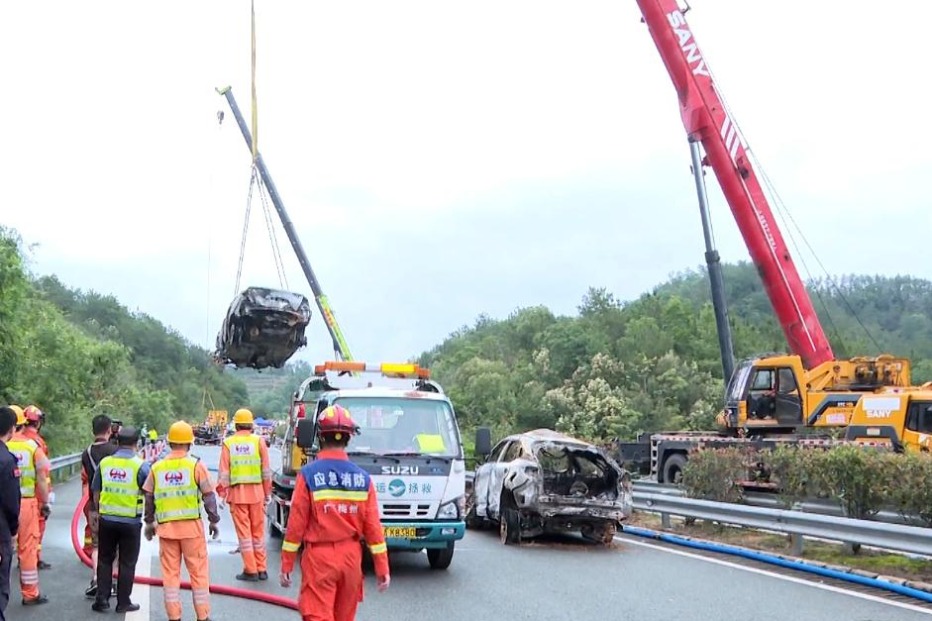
{"points": [[613, 370], [621, 368], [77, 354]]}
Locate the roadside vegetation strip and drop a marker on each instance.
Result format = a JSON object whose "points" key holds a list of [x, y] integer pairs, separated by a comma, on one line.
{"points": [[837, 561], [862, 482]]}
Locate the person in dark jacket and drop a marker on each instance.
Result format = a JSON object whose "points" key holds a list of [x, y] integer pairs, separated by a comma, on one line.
{"points": [[9, 505]]}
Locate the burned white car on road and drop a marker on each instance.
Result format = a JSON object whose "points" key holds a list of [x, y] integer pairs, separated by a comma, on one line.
{"points": [[543, 482]]}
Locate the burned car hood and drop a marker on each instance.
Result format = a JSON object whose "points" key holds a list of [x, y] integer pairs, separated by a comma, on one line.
{"points": [[263, 328]]}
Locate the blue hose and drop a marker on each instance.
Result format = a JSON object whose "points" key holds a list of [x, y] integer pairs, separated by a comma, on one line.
{"points": [[776, 560]]}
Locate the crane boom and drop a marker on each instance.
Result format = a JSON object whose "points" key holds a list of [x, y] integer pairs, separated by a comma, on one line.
{"points": [[340, 346], [706, 120]]}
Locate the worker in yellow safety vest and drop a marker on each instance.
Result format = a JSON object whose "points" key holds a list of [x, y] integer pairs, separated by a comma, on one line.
{"points": [[174, 489], [245, 482], [34, 468], [118, 500]]}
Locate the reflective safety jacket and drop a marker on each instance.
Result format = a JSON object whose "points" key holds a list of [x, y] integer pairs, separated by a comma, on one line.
{"points": [[176, 492], [245, 461], [24, 450], [120, 493]]}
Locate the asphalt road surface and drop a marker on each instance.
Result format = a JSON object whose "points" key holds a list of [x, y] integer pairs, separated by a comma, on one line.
{"points": [[546, 580]]}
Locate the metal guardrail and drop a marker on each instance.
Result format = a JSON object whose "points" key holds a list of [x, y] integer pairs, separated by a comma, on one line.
{"points": [[798, 524], [771, 501], [66, 466]]}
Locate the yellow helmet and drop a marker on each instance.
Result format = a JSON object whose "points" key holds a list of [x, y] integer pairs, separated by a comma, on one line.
{"points": [[242, 417], [180, 433], [20, 415]]}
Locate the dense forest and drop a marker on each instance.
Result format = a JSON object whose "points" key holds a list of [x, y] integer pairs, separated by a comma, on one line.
{"points": [[621, 368], [77, 354], [614, 369]]}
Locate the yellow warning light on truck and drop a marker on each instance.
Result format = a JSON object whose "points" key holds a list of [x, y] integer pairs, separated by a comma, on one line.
{"points": [[401, 370]]}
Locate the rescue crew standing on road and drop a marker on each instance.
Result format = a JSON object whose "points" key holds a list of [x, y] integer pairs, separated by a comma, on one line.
{"points": [[173, 490], [101, 425], [245, 482], [118, 498], [333, 507], [9, 505], [34, 419], [34, 470]]}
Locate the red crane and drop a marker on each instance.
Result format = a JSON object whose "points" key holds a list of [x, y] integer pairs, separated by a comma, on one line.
{"points": [[707, 121]]}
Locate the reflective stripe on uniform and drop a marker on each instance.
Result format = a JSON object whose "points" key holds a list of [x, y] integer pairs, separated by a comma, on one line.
{"points": [[119, 487], [290, 546], [176, 492]]}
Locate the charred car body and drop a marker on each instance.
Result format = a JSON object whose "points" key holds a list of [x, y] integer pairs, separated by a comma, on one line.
{"points": [[543, 482], [263, 328]]}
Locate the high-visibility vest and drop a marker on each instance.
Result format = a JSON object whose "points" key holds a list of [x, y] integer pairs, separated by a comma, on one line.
{"points": [[120, 494], [25, 453], [245, 460], [176, 492]]}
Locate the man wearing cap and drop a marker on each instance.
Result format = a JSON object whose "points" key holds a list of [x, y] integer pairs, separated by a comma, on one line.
{"points": [[118, 499]]}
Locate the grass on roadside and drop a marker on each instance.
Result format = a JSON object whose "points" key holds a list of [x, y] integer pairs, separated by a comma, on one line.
{"points": [[881, 563]]}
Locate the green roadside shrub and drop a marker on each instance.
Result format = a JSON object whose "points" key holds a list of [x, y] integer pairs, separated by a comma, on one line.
{"points": [[861, 480], [911, 486], [715, 474]]}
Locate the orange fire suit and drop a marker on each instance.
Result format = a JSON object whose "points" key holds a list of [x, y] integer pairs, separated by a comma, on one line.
{"points": [[34, 469], [333, 508], [172, 489], [245, 482], [33, 434]]}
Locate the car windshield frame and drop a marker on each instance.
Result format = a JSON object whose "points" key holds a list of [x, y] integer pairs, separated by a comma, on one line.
{"points": [[384, 430]]}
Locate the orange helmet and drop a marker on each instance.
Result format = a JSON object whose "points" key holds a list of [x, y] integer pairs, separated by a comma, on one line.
{"points": [[336, 420], [33, 414]]}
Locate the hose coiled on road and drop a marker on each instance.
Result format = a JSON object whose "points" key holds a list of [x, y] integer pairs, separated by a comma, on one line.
{"points": [[218, 589], [781, 562]]}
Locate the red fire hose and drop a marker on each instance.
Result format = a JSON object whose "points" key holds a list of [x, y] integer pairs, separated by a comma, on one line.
{"points": [[217, 589]]}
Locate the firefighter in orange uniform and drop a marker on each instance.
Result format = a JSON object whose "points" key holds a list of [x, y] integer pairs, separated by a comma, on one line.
{"points": [[34, 468], [245, 482], [34, 419], [333, 507], [173, 491]]}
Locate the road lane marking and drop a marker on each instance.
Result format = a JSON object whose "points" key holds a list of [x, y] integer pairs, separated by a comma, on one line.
{"points": [[771, 574], [142, 593]]}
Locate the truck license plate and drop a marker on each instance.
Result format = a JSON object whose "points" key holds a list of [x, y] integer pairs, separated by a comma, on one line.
{"points": [[400, 532]]}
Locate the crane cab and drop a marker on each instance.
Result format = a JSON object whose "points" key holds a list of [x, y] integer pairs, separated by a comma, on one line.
{"points": [[765, 393]]}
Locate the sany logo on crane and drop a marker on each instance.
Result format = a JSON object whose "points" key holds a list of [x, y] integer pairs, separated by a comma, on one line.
{"points": [[688, 43]]}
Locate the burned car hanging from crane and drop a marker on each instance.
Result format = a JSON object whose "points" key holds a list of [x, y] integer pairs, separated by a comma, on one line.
{"points": [[263, 328], [545, 482]]}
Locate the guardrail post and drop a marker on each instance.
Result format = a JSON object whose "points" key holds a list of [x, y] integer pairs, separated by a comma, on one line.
{"points": [[665, 520], [797, 542]]}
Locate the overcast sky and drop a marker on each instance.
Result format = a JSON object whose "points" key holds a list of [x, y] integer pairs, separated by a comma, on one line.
{"points": [[445, 159]]}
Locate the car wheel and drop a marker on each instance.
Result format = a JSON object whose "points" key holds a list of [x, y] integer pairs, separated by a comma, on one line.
{"points": [[509, 527]]}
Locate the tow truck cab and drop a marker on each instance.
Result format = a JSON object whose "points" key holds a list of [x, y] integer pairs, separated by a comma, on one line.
{"points": [[409, 443]]}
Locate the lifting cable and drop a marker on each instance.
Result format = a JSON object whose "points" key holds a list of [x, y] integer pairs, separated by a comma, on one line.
{"points": [[783, 212], [256, 180]]}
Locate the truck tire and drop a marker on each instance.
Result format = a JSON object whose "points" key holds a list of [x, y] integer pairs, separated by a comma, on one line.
{"points": [[673, 468], [440, 558]]}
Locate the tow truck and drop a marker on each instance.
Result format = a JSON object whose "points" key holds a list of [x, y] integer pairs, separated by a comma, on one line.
{"points": [[410, 444], [807, 397]]}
